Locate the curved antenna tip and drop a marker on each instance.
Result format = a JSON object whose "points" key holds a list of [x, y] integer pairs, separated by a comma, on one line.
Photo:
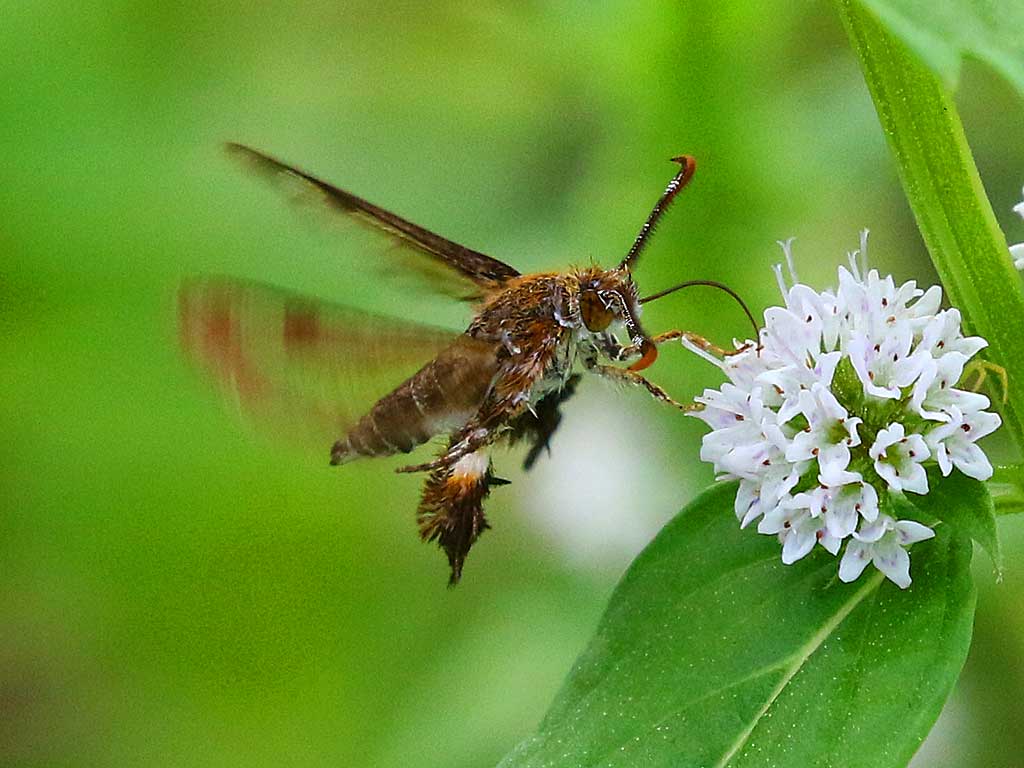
{"points": [[687, 168]]}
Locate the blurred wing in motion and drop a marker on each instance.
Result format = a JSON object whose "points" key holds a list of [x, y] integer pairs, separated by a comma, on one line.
{"points": [[298, 367], [448, 266]]}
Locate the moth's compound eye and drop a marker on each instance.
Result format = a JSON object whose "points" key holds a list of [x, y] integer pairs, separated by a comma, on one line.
{"points": [[596, 315]]}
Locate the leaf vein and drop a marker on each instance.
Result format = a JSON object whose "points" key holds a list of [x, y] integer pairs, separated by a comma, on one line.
{"points": [[799, 659]]}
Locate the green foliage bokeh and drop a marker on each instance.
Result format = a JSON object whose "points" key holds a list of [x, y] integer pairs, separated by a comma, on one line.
{"points": [[175, 590]]}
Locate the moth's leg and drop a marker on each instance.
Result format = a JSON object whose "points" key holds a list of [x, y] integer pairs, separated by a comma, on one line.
{"points": [[451, 507], [539, 425], [708, 346], [465, 442], [980, 369], [626, 376], [483, 428], [508, 397]]}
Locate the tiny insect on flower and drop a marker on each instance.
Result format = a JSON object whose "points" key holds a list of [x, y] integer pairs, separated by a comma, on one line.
{"points": [[846, 398]]}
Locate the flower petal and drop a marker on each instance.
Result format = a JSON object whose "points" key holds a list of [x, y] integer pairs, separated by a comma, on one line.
{"points": [[855, 560], [892, 560]]}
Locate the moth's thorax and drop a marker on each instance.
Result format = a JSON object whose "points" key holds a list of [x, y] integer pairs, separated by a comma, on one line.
{"points": [[524, 308], [592, 297]]}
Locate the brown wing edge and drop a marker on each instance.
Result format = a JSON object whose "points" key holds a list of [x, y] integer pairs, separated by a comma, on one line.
{"points": [[485, 271]]}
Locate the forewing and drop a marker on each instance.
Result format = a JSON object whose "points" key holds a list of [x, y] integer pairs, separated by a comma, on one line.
{"points": [[435, 258], [294, 366]]}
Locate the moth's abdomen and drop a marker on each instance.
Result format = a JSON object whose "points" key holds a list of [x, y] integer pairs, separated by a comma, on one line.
{"points": [[441, 396]]}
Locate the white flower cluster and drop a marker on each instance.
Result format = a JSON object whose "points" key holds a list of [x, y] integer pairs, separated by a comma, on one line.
{"points": [[845, 398], [1017, 251]]}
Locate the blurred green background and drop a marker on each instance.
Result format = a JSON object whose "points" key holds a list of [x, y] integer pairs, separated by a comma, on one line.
{"points": [[175, 590]]}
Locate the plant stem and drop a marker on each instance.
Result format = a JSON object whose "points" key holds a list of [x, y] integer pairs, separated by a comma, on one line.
{"points": [[941, 183]]}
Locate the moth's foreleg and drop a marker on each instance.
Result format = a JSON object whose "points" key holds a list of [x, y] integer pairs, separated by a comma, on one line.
{"points": [[626, 376], [630, 351], [699, 342], [467, 441], [451, 508]]}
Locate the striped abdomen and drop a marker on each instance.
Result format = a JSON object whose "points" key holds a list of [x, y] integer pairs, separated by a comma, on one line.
{"points": [[441, 396]]}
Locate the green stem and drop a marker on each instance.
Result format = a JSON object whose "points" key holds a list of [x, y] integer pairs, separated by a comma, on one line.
{"points": [[945, 192]]}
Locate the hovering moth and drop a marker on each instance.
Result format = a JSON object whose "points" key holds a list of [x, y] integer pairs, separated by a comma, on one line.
{"points": [[295, 362]]}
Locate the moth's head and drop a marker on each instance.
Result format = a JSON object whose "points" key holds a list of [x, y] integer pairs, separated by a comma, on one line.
{"points": [[608, 297]]}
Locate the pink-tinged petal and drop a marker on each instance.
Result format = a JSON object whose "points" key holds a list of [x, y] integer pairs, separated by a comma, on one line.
{"points": [[892, 560], [841, 520], [747, 499], [966, 401], [825, 367], [752, 514], [793, 335], [970, 459], [911, 531], [855, 560]]}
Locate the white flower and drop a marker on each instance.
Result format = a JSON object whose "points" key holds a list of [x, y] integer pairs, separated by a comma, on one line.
{"points": [[830, 432], [1017, 254], [898, 459], [798, 530], [1017, 251], [953, 443], [848, 396], [883, 543], [934, 396]]}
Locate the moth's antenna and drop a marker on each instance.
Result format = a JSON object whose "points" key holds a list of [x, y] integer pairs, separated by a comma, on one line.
{"points": [[680, 180], [710, 284]]}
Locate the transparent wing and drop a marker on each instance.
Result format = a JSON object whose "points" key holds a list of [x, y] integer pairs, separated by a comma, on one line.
{"points": [[449, 267], [294, 366]]}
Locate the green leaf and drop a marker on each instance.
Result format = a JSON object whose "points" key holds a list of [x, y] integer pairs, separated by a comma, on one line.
{"points": [[1007, 489], [945, 192], [713, 653], [942, 33], [965, 503]]}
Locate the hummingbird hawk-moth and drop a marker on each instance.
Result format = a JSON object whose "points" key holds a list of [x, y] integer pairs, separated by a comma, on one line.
{"points": [[294, 361]]}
